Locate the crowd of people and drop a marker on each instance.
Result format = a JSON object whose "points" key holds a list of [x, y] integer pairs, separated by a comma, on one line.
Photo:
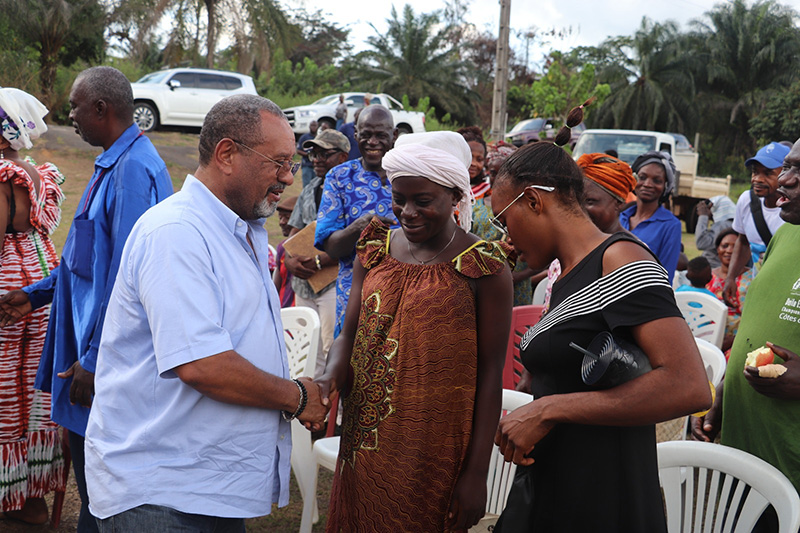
{"points": [[162, 350]]}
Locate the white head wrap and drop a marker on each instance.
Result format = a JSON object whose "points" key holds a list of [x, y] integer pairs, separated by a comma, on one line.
{"points": [[722, 208], [440, 156], [21, 117]]}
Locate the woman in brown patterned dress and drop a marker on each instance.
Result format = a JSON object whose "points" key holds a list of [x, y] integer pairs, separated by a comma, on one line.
{"points": [[421, 355]]}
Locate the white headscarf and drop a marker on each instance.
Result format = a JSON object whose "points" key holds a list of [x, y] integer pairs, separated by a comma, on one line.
{"points": [[21, 117], [440, 156], [722, 208]]}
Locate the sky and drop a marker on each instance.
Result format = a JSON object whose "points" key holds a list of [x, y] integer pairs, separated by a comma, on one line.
{"points": [[591, 21]]}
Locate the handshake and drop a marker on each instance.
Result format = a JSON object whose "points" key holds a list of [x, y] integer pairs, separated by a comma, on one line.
{"points": [[13, 306], [317, 404]]}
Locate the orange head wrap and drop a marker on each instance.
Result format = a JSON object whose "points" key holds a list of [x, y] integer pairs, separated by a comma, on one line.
{"points": [[613, 175]]}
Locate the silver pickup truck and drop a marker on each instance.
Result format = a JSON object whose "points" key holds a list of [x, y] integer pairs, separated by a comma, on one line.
{"points": [[324, 110]]}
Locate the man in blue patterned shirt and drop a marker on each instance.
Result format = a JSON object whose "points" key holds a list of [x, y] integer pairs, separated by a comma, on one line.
{"points": [[354, 192]]}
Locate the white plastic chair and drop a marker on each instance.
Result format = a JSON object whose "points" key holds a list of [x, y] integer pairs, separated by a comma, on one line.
{"points": [[705, 314], [713, 361], [301, 334], [501, 473], [709, 486], [539, 292], [498, 483], [714, 364]]}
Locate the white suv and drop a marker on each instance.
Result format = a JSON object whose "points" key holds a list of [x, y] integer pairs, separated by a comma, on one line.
{"points": [[183, 96]]}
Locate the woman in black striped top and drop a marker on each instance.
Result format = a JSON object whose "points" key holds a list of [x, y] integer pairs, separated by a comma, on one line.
{"points": [[589, 455]]}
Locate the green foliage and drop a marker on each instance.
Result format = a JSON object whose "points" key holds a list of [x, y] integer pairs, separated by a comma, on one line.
{"points": [[322, 41], [748, 52], [60, 31], [20, 69], [415, 57], [558, 91], [293, 80], [59, 98], [432, 123], [780, 118], [649, 73]]}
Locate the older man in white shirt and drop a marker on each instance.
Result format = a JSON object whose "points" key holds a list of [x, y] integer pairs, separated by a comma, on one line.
{"points": [[189, 426]]}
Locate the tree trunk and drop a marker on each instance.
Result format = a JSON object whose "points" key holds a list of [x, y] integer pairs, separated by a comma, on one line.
{"points": [[211, 39]]}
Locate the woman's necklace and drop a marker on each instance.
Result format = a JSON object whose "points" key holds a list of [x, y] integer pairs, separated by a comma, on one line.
{"points": [[421, 262]]}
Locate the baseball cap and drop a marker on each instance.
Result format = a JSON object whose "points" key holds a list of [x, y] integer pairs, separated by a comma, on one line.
{"points": [[332, 139], [771, 155]]}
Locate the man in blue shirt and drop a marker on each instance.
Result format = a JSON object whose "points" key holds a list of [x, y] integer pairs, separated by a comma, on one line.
{"points": [[186, 431], [354, 192], [129, 177], [349, 131], [306, 165]]}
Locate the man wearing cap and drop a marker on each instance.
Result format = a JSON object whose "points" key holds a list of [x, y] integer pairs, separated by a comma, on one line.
{"points": [[328, 150], [757, 215], [760, 414]]}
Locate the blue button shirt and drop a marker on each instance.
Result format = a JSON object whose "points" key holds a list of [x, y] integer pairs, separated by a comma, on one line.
{"points": [[189, 287], [349, 192], [661, 233], [128, 179]]}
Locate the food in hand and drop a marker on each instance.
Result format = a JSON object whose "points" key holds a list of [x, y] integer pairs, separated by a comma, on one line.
{"points": [[771, 371], [759, 357]]}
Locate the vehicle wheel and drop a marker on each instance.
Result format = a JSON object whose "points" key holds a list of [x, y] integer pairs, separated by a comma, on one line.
{"points": [[145, 116], [329, 121], [403, 129]]}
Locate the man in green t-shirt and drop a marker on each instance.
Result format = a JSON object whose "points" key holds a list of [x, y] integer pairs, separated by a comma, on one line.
{"points": [[762, 415]]}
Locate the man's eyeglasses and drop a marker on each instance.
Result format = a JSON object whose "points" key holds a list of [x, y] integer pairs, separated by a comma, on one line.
{"points": [[323, 156], [285, 165], [495, 220]]}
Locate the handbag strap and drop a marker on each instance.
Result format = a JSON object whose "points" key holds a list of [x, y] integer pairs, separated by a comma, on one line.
{"points": [[758, 218]]}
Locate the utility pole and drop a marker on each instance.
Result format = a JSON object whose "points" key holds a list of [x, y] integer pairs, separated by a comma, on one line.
{"points": [[501, 74]]}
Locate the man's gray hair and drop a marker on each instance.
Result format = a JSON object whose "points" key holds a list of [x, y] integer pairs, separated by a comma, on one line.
{"points": [[111, 86], [236, 117]]}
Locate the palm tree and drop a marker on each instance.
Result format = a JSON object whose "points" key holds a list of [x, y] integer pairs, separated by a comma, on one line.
{"points": [[415, 58], [748, 54], [60, 30], [258, 29], [652, 87]]}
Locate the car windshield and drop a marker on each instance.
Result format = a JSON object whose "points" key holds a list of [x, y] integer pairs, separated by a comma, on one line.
{"points": [[534, 124], [627, 145], [682, 144], [328, 100], [153, 77]]}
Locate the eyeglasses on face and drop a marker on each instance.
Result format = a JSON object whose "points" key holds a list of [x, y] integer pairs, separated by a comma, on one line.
{"points": [[323, 156], [495, 220], [286, 165]]}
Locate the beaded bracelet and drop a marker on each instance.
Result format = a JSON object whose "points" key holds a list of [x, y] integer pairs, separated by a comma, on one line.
{"points": [[319, 265], [301, 405]]}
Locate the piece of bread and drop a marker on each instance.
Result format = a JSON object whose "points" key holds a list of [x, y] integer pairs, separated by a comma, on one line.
{"points": [[771, 371]]}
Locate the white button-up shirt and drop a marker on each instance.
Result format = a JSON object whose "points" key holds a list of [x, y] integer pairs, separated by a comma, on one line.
{"points": [[189, 286]]}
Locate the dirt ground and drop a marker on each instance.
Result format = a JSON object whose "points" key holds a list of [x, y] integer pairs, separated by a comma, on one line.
{"points": [[63, 147]]}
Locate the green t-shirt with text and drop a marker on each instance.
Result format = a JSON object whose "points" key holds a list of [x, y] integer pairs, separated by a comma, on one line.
{"points": [[752, 422]]}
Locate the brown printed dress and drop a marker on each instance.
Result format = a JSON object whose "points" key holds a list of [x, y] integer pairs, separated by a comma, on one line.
{"points": [[408, 418]]}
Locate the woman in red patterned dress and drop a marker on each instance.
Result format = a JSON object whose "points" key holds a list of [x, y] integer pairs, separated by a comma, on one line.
{"points": [[31, 463], [424, 343]]}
